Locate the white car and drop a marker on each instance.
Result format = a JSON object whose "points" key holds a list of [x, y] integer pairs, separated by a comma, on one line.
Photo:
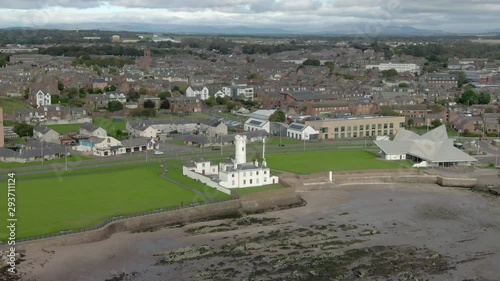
{"points": [[157, 152]]}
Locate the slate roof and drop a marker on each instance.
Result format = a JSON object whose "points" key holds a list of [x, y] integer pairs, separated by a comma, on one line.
{"points": [[89, 127], [5, 152]]}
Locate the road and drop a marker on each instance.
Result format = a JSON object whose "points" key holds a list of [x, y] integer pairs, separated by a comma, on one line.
{"points": [[179, 152]]}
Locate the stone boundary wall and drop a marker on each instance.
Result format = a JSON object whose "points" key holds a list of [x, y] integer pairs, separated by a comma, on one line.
{"points": [[250, 203], [456, 182], [204, 179], [320, 181]]}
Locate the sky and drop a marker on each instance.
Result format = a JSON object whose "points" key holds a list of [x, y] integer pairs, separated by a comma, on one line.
{"points": [[368, 16]]}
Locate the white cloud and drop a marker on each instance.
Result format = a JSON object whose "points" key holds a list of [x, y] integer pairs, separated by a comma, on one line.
{"points": [[300, 15]]}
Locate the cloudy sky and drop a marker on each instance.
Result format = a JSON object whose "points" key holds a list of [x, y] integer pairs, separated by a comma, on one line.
{"points": [[297, 15]]}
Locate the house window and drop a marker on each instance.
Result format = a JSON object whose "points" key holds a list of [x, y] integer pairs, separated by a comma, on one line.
{"points": [[257, 173], [244, 182], [265, 172], [385, 125], [342, 129], [374, 126], [336, 129], [232, 175], [233, 182], [391, 125], [251, 181], [379, 126], [257, 181]]}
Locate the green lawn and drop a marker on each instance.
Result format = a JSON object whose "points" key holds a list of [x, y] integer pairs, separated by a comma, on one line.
{"points": [[304, 162], [10, 104], [110, 125], [276, 141], [175, 173], [73, 202], [248, 190], [65, 128]]}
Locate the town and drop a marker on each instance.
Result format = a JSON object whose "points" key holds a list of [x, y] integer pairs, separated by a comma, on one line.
{"points": [[136, 132]]}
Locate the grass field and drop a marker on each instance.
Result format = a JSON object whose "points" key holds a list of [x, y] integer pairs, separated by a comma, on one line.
{"points": [[72, 202], [110, 125], [66, 128], [305, 162], [175, 173], [10, 104]]}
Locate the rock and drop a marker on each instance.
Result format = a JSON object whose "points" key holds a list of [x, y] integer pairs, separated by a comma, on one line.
{"points": [[365, 232]]}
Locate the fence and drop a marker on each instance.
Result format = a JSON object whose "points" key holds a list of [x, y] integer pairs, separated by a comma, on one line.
{"points": [[117, 218]]}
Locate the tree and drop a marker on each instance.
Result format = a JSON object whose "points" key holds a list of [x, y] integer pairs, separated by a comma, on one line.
{"points": [[23, 129], [221, 100], [72, 93], [278, 116], [436, 123], [60, 86], [411, 123], [483, 98], [115, 106], [165, 104], [82, 93], [403, 85], [312, 62], [461, 78], [112, 88], [143, 91], [106, 88], [164, 95], [389, 74], [132, 95], [149, 104], [210, 101]]}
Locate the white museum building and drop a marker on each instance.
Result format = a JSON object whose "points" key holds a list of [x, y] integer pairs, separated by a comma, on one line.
{"points": [[233, 173]]}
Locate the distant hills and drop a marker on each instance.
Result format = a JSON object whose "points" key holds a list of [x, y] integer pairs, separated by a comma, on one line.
{"points": [[337, 30]]}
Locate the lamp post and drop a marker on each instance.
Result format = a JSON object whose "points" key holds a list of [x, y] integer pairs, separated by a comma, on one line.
{"points": [[41, 147], [65, 158]]}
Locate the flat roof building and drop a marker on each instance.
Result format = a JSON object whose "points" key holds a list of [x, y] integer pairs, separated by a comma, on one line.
{"points": [[357, 127]]}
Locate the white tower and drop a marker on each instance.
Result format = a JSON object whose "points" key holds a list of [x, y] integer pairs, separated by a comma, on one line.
{"points": [[241, 149]]}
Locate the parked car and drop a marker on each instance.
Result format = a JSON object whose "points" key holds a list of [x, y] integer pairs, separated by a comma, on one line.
{"points": [[157, 152]]}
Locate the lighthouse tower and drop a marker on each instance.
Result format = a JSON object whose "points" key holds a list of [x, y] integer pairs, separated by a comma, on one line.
{"points": [[241, 149]]}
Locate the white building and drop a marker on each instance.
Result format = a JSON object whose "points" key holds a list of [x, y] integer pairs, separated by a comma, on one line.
{"points": [[254, 124], [234, 173], [433, 148], [234, 92], [301, 132], [197, 92], [399, 67], [42, 98]]}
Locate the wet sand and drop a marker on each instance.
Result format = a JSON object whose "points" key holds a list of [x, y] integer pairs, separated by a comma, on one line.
{"points": [[460, 225]]}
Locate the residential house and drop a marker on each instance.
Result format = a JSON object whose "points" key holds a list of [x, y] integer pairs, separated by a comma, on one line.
{"points": [[100, 101], [155, 100], [90, 130], [44, 133], [7, 155], [38, 98], [239, 92], [197, 92], [49, 112], [99, 83], [185, 105], [444, 80]]}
